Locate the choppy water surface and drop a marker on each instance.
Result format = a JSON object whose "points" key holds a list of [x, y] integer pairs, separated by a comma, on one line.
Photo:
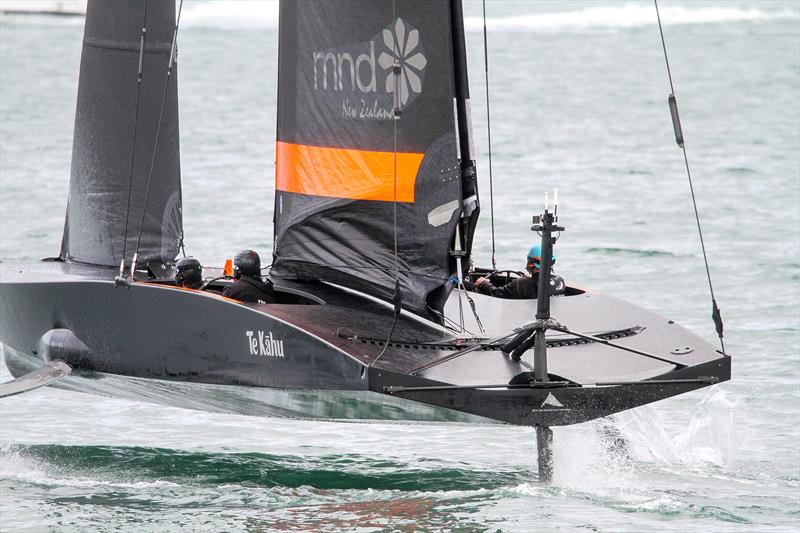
{"points": [[578, 96]]}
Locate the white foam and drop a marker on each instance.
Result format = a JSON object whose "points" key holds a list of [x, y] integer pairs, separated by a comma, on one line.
{"points": [[15, 465], [607, 457], [711, 436], [249, 14], [624, 16], [66, 7], [18, 466], [233, 15], [661, 504], [583, 460]]}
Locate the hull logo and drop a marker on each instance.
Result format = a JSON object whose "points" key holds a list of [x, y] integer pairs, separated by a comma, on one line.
{"points": [[263, 344], [551, 403]]}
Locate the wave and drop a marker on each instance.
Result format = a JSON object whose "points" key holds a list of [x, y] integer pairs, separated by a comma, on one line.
{"points": [[633, 251], [248, 14], [626, 16], [62, 465], [234, 15], [255, 14]]}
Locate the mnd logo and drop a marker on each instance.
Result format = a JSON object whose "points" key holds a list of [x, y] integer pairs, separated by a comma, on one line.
{"points": [[402, 45], [264, 344], [367, 86]]}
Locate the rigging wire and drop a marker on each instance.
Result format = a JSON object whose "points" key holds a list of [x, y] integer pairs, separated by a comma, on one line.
{"points": [[158, 132], [715, 313], [449, 323], [489, 132], [396, 71], [135, 130]]}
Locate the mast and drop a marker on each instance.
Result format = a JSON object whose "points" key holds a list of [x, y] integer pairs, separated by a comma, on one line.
{"points": [[469, 181]]}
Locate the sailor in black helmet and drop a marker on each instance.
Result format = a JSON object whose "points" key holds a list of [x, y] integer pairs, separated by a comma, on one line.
{"points": [[249, 286], [188, 273]]}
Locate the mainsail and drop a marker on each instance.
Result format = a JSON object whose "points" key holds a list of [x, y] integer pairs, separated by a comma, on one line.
{"points": [[346, 166], [106, 196]]}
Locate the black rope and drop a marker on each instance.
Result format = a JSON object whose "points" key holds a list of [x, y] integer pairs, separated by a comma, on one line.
{"points": [[158, 132], [135, 130], [715, 313], [489, 132]]}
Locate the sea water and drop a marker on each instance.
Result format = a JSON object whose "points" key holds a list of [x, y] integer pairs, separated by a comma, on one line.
{"points": [[577, 95]]}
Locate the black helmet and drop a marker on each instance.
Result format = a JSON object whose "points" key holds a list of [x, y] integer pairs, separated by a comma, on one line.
{"points": [[246, 263], [188, 270]]}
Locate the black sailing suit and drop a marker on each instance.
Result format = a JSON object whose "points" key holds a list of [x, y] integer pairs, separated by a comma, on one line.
{"points": [[249, 289], [522, 288]]}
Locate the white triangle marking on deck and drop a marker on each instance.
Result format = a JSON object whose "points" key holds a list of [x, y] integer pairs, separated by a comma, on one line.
{"points": [[552, 401]]}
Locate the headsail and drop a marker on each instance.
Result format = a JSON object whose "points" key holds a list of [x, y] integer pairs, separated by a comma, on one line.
{"points": [[103, 146], [344, 163]]}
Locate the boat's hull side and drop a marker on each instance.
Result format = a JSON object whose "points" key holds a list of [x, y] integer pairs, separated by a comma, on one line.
{"points": [[152, 331], [567, 405], [316, 404]]}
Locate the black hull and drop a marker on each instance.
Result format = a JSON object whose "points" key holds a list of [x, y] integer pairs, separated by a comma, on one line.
{"points": [[310, 404], [200, 350]]}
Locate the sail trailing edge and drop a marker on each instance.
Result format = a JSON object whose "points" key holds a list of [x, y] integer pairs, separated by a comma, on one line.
{"points": [[103, 144], [344, 164]]}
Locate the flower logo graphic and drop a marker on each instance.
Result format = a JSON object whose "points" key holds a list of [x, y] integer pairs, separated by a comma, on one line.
{"points": [[403, 44]]}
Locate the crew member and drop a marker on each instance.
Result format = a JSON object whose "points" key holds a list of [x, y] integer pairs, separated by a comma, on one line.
{"points": [[249, 286], [188, 273], [522, 287]]}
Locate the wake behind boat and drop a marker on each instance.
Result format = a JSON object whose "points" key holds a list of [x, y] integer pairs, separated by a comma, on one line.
{"points": [[375, 210]]}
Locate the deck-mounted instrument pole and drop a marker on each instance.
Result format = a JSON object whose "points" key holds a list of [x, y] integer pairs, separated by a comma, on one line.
{"points": [[545, 225]]}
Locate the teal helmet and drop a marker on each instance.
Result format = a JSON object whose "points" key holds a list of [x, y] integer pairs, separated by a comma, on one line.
{"points": [[535, 256]]}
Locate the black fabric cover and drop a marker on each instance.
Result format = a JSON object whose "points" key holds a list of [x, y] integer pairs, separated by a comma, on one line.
{"points": [[336, 137], [103, 143]]}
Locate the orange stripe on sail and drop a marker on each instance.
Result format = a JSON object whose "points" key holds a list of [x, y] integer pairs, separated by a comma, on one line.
{"points": [[346, 173]]}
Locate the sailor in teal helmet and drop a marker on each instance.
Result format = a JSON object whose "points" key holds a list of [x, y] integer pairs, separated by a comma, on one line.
{"points": [[535, 258], [522, 287]]}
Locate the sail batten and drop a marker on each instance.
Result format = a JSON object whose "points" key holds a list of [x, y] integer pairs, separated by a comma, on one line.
{"points": [[346, 165]]}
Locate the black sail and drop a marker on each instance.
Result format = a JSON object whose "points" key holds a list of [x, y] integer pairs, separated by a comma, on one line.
{"points": [[103, 145], [346, 167]]}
